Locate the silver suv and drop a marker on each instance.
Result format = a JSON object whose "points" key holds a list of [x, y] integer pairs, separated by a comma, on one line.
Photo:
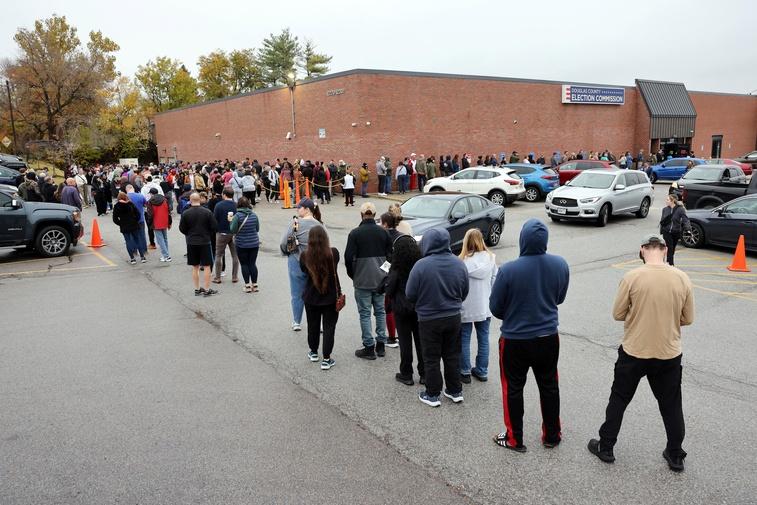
{"points": [[597, 194]]}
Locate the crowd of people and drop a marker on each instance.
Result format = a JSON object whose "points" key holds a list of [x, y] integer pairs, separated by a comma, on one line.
{"points": [[417, 296]]}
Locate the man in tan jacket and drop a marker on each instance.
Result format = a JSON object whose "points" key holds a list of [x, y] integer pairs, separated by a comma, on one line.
{"points": [[654, 301]]}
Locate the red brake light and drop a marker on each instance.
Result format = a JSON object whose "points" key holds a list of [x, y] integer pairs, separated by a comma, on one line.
{"points": [[512, 182], [684, 195], [549, 177]]}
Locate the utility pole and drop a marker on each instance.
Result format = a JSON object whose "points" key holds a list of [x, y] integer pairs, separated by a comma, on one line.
{"points": [[10, 107]]}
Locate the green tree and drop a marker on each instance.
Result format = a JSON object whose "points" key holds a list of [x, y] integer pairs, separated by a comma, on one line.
{"points": [[214, 75], [57, 83], [167, 84], [278, 57], [312, 63], [245, 72]]}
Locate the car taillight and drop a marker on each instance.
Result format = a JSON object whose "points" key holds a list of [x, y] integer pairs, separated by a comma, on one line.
{"points": [[684, 195], [512, 182], [549, 177]]}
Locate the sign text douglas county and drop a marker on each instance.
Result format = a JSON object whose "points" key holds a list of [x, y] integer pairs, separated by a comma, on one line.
{"points": [[592, 95]]}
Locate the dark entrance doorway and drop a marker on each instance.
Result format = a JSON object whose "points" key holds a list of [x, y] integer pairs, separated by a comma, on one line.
{"points": [[717, 146]]}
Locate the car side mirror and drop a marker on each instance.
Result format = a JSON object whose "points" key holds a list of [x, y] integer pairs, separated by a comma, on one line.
{"points": [[619, 187], [15, 204], [457, 215]]}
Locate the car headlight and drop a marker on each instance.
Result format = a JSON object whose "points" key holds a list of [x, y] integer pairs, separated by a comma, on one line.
{"points": [[549, 196], [590, 200], [675, 185], [418, 238], [77, 216]]}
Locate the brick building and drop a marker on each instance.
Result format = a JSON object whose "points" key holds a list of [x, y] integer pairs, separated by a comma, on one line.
{"points": [[359, 114]]}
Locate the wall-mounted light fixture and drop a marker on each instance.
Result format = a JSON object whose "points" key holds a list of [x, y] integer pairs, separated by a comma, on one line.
{"points": [[354, 125], [367, 123]]}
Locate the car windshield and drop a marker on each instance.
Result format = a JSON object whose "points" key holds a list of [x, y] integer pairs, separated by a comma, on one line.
{"points": [[593, 180], [703, 172], [426, 207]]}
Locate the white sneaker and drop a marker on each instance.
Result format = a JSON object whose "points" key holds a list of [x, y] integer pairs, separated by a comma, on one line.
{"points": [[296, 327], [162, 259], [223, 274]]}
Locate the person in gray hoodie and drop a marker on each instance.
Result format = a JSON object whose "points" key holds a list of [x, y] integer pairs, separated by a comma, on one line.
{"points": [[437, 285], [482, 270], [293, 243]]}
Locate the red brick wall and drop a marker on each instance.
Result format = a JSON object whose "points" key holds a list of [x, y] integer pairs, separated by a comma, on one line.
{"points": [[732, 116], [431, 115]]}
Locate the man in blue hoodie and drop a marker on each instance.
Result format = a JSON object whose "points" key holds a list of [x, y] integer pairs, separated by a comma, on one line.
{"points": [[525, 297], [437, 285]]}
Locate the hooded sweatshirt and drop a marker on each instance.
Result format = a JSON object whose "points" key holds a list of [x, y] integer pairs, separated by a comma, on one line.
{"points": [[438, 282], [528, 290], [482, 270], [158, 208]]}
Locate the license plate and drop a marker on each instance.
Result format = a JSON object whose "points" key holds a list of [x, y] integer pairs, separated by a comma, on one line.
{"points": [[561, 211]]}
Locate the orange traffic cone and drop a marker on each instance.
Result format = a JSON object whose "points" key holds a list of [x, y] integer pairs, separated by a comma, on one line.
{"points": [[297, 191], [285, 191], [307, 188], [97, 240], [739, 259]]}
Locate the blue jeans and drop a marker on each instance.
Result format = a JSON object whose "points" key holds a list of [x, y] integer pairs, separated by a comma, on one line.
{"points": [[364, 189], [297, 281], [132, 243], [161, 237], [402, 183], [388, 182], [482, 355], [141, 239], [366, 298]]}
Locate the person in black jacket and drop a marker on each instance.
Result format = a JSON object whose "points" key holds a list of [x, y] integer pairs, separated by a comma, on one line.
{"points": [[199, 225], [368, 247], [319, 262], [126, 217], [405, 254], [673, 222]]}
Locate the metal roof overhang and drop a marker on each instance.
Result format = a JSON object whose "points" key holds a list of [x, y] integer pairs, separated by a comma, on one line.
{"points": [[671, 112]]}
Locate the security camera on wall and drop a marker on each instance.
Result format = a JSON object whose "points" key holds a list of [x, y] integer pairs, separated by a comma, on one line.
{"points": [[289, 135]]}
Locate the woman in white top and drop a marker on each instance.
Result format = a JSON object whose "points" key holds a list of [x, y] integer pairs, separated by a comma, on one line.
{"points": [[482, 270], [348, 185]]}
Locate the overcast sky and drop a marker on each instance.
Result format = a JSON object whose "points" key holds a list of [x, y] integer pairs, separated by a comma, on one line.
{"points": [[708, 45]]}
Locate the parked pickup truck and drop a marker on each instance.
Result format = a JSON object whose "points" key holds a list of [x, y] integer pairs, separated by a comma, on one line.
{"points": [[49, 228], [713, 194]]}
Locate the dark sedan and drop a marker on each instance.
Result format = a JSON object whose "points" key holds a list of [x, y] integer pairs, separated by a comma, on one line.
{"points": [[8, 175], [457, 213], [723, 225]]}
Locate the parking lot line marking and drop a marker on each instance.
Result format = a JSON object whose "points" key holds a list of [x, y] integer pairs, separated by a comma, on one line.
{"points": [[723, 281], [104, 259], [728, 293], [29, 272], [38, 259]]}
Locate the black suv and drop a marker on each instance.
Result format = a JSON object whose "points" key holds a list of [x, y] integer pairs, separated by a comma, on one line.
{"points": [[10, 161], [49, 228]]}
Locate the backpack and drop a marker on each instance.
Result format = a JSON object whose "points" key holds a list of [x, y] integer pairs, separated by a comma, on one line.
{"points": [[183, 204]]}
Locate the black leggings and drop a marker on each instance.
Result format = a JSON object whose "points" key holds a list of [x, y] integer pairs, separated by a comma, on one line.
{"points": [[671, 240], [247, 258], [330, 316], [407, 331]]}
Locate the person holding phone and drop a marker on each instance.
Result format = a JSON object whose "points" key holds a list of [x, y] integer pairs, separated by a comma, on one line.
{"points": [[293, 243]]}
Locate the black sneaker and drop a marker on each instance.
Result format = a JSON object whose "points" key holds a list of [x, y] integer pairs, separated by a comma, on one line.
{"points": [[199, 292], [392, 342], [605, 455], [366, 353], [422, 380], [551, 444], [675, 463], [465, 378], [380, 351], [479, 377], [407, 381], [210, 292], [501, 440]]}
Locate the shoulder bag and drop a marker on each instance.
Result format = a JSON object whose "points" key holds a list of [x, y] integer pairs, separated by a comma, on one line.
{"points": [[341, 298]]}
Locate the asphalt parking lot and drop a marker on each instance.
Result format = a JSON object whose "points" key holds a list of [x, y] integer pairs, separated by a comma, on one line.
{"points": [[454, 443]]}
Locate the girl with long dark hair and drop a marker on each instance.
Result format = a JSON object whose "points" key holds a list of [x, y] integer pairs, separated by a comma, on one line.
{"points": [[319, 262]]}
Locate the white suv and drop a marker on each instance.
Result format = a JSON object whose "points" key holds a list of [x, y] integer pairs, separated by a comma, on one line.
{"points": [[500, 185], [597, 194]]}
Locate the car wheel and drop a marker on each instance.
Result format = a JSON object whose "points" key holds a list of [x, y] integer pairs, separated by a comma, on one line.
{"points": [[653, 178], [532, 194], [604, 215], [498, 197], [707, 205], [52, 241], [494, 234], [435, 188], [693, 238], [644, 209]]}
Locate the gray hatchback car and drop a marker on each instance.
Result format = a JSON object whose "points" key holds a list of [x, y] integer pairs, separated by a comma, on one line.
{"points": [[595, 195]]}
